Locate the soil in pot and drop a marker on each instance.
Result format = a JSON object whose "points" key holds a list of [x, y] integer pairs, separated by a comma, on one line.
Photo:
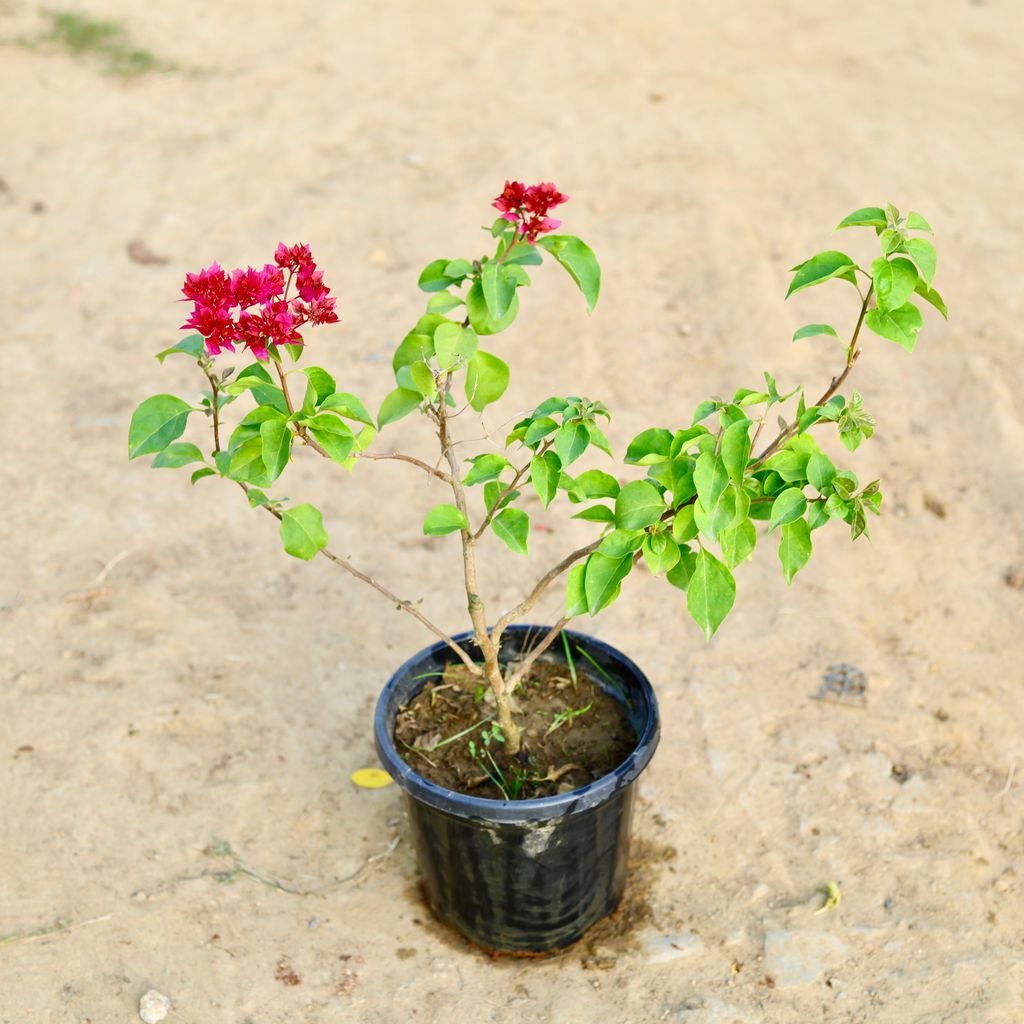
{"points": [[573, 734]]}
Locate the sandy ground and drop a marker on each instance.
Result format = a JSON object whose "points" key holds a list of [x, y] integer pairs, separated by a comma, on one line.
{"points": [[173, 684]]}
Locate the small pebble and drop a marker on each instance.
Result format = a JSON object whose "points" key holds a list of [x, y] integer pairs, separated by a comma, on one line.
{"points": [[153, 1006]]}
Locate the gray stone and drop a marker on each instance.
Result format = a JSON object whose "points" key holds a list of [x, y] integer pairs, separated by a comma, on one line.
{"points": [[153, 1006], [801, 956]]}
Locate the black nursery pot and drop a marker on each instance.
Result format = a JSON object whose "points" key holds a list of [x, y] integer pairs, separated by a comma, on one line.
{"points": [[523, 875]]}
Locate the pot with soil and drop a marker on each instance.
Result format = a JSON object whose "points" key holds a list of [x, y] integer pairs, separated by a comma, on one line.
{"points": [[532, 851]]}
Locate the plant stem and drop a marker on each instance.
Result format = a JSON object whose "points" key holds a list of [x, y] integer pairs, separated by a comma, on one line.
{"points": [[301, 431], [542, 584], [439, 473], [398, 602], [852, 355], [514, 677], [520, 473], [475, 604], [216, 411]]}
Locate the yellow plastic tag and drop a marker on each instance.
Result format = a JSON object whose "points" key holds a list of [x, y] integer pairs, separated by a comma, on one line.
{"points": [[371, 778]]}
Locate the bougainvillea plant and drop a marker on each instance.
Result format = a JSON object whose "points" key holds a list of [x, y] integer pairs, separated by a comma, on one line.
{"points": [[690, 513]]}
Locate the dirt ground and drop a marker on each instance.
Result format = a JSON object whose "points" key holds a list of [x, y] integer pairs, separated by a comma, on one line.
{"points": [[182, 704]]}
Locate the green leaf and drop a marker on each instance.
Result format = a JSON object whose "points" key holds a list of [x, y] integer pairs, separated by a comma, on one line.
{"points": [[889, 241], [321, 381], [789, 464], [899, 325], [789, 505], [894, 281], [347, 405], [575, 593], [816, 514], [923, 253], [523, 253], [930, 295], [181, 453], [443, 302], [544, 471], [334, 436], [456, 270], [684, 527], [486, 380], [581, 263], [452, 343], [200, 473], [868, 217], [257, 499], [661, 553], [493, 491], [813, 330], [819, 269], [442, 519], [155, 424], [512, 525], [794, 548], [710, 477], [277, 445], [246, 461], [302, 531], [603, 580], [433, 278], [681, 574], [415, 348], [915, 222], [399, 403], [422, 378], [638, 504], [598, 440], [594, 483], [737, 543], [820, 472], [711, 593], [596, 514], [735, 450], [538, 429], [571, 441], [499, 289], [620, 543], [194, 345], [650, 446], [480, 318], [704, 410], [485, 467], [720, 515]]}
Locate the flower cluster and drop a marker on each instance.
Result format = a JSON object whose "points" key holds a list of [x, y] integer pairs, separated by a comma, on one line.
{"points": [[527, 207], [251, 307]]}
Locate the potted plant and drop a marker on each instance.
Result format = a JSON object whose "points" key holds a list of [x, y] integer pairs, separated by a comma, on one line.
{"points": [[518, 746]]}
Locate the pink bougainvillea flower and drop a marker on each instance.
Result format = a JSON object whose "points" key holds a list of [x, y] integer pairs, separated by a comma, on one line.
{"points": [[511, 201], [310, 283], [527, 207], [215, 325], [319, 311], [265, 316], [293, 257], [210, 287], [250, 286]]}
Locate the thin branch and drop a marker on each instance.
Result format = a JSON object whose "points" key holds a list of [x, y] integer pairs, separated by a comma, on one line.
{"points": [[542, 584], [432, 470], [520, 473], [398, 602], [216, 411], [513, 678], [300, 430], [852, 355]]}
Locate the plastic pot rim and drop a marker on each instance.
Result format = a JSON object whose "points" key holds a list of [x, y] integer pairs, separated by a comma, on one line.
{"points": [[517, 811]]}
